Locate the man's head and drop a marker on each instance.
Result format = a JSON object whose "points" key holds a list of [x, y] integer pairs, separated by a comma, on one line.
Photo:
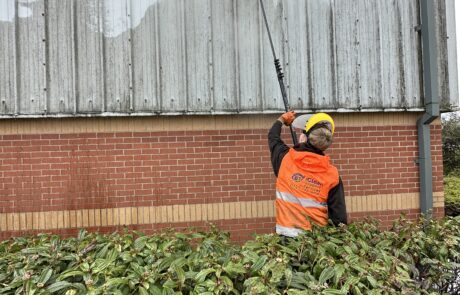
{"points": [[318, 129], [321, 138]]}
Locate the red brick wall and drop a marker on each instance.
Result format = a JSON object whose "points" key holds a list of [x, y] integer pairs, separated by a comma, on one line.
{"points": [[381, 159], [47, 172], [387, 218], [75, 171]]}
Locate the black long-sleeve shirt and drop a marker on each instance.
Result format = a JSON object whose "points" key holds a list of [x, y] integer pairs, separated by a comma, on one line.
{"points": [[278, 149]]}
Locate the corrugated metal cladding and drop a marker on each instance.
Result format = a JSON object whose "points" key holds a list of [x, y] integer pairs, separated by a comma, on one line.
{"points": [[109, 57]]}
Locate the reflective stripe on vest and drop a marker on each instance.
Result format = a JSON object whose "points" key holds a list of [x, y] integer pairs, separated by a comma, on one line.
{"points": [[307, 203], [288, 231]]}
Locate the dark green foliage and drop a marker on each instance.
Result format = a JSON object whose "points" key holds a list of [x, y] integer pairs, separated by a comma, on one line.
{"points": [[452, 195], [451, 143], [413, 258], [451, 161]]}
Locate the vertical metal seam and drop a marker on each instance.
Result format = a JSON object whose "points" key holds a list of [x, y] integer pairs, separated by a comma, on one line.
{"points": [[261, 96], [184, 56], [420, 55], [356, 48], [380, 60], [131, 56], [75, 56], [237, 56], [211, 56], [158, 88], [451, 52], [401, 57], [309, 59], [101, 17], [8, 94], [27, 69], [45, 65], [18, 59], [285, 50], [294, 102], [147, 88], [415, 37], [441, 30], [333, 41], [335, 49]]}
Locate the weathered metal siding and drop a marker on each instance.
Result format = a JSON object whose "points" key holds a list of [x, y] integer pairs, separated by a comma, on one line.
{"points": [[138, 57], [448, 76]]}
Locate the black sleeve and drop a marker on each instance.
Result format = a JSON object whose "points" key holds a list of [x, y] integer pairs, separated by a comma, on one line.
{"points": [[337, 209], [278, 149]]}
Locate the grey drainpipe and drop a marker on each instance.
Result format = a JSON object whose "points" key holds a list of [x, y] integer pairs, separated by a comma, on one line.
{"points": [[430, 87]]}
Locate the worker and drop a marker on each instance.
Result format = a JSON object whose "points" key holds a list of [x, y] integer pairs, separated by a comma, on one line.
{"points": [[308, 186]]}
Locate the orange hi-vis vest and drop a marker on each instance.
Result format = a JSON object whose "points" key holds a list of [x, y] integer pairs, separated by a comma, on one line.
{"points": [[302, 188]]}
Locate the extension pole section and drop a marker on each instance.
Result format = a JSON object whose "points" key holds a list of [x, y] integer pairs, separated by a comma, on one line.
{"points": [[279, 72]]}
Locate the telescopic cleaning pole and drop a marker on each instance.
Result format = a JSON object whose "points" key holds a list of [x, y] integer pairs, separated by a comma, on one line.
{"points": [[279, 72]]}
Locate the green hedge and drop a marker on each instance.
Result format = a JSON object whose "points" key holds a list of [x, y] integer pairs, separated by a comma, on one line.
{"points": [[412, 258], [452, 195]]}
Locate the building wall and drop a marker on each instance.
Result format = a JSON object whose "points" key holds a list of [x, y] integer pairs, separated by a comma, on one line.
{"points": [[152, 173], [105, 57]]}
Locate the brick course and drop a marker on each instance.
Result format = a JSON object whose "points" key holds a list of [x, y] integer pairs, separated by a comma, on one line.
{"points": [[240, 229]]}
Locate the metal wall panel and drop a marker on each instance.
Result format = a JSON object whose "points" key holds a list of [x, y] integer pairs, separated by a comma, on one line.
{"points": [[60, 61], [298, 51], [117, 55], [88, 53], [410, 69], [198, 40], [224, 56], [31, 61], [8, 86], [173, 74], [145, 53], [450, 97], [388, 45], [270, 91], [368, 55], [249, 31], [323, 51], [141, 57]]}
